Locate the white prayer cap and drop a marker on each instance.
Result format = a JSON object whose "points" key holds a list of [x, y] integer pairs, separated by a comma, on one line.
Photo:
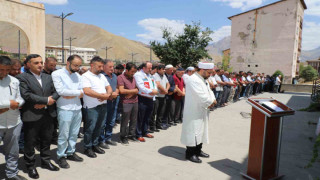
{"points": [[202, 65], [190, 68], [168, 66]]}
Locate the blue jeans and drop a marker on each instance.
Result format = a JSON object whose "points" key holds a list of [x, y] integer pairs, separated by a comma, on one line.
{"points": [[69, 126], [106, 131], [95, 119]]}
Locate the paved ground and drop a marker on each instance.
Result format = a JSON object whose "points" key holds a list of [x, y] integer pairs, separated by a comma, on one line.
{"points": [[163, 156]]}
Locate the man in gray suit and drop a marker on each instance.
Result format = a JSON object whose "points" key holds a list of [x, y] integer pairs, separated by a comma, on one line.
{"points": [[38, 91]]}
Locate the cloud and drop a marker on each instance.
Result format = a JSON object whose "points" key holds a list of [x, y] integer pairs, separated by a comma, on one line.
{"points": [[313, 7], [221, 33], [310, 35], [51, 2], [153, 28], [241, 4]]}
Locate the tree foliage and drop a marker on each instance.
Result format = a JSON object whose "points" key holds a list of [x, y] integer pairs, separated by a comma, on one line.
{"points": [[186, 48], [309, 73], [277, 73]]}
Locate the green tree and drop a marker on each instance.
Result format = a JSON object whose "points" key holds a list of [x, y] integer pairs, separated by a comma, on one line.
{"points": [[309, 73], [277, 73], [301, 67], [186, 48]]}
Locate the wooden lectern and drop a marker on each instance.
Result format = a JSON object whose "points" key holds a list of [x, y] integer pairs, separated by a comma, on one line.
{"points": [[265, 138]]}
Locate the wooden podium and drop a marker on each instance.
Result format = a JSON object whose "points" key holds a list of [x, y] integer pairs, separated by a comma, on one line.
{"points": [[265, 138]]}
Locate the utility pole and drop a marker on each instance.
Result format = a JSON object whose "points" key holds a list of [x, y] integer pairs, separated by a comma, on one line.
{"points": [[70, 39], [62, 17], [106, 48], [19, 52], [150, 54], [133, 54]]}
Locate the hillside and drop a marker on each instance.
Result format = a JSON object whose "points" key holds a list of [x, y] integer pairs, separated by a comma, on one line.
{"points": [[88, 36]]}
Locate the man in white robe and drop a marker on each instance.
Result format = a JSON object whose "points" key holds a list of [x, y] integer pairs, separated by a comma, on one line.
{"points": [[198, 101]]}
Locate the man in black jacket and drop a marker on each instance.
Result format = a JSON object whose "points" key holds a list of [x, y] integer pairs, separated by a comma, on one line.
{"points": [[38, 91]]}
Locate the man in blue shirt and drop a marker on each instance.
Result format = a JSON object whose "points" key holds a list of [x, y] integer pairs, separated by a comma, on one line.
{"points": [[68, 85], [106, 132]]}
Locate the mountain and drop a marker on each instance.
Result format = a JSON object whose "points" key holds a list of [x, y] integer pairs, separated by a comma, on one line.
{"points": [[215, 49], [310, 55], [88, 36]]}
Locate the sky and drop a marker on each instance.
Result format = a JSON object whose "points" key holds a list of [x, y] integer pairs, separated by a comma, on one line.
{"points": [[142, 20]]}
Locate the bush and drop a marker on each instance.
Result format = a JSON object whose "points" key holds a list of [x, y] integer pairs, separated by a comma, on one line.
{"points": [[277, 73], [309, 73]]}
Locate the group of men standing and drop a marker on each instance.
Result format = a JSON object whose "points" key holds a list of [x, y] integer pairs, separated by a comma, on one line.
{"points": [[149, 98]]}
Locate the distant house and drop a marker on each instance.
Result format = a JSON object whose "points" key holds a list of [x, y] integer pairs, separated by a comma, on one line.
{"points": [[315, 64], [268, 38], [85, 53]]}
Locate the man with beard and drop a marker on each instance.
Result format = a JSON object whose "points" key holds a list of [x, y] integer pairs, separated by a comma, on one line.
{"points": [[168, 114], [38, 91], [97, 91], [68, 84], [129, 101], [198, 101]]}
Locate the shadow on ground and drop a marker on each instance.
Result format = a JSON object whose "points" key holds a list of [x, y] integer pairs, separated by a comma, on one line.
{"points": [[173, 152], [229, 167]]}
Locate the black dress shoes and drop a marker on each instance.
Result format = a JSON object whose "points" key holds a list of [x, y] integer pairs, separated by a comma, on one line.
{"points": [[98, 150], [204, 155], [90, 153], [75, 157], [33, 173], [194, 159], [112, 143], [104, 145], [50, 166]]}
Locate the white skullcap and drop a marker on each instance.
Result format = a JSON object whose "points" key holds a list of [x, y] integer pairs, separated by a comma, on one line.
{"points": [[202, 65], [190, 68], [168, 66]]}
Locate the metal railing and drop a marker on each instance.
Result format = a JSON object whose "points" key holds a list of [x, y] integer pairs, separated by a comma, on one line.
{"points": [[315, 96]]}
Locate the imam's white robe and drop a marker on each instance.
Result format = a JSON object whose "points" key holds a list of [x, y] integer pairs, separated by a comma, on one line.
{"points": [[198, 98]]}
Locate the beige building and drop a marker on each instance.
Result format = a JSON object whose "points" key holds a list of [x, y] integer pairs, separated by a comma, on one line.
{"points": [[268, 38], [85, 53]]}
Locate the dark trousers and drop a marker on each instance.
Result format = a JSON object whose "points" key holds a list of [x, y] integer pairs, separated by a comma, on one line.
{"points": [[176, 109], [226, 94], [158, 113], [41, 129], [168, 110], [95, 119], [193, 150], [144, 113], [107, 128], [129, 113]]}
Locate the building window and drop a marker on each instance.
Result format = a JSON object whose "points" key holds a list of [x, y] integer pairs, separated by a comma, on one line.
{"points": [[248, 65], [256, 65]]}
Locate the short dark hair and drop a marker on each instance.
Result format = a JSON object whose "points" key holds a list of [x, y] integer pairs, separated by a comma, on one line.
{"points": [[120, 66], [31, 56], [154, 66], [217, 70], [15, 61], [72, 57], [51, 59], [130, 65], [5, 60], [97, 59], [161, 66]]}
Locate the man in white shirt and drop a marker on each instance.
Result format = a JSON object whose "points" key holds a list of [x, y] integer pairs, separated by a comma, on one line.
{"points": [[10, 120], [68, 85], [189, 71], [147, 92], [277, 84], [219, 88], [96, 90], [160, 104]]}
